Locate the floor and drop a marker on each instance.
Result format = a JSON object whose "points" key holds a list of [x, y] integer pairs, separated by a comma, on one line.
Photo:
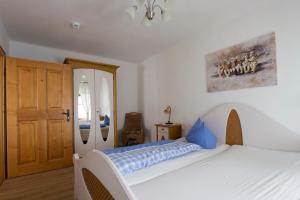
{"points": [[53, 185]]}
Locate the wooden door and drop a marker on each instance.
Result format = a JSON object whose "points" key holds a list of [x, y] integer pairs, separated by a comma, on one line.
{"points": [[39, 136], [2, 143]]}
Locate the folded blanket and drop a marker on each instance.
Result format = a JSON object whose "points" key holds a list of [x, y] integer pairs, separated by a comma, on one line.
{"points": [[130, 161], [139, 146]]}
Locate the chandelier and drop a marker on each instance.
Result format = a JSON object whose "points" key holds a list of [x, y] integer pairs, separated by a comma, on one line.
{"points": [[151, 7]]}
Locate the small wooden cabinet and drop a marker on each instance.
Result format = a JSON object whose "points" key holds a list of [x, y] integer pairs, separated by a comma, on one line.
{"points": [[168, 131]]}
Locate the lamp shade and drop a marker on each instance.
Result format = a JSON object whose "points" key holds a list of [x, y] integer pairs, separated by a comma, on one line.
{"points": [[139, 2], [165, 16], [151, 7], [168, 110], [166, 4], [147, 22], [132, 12]]}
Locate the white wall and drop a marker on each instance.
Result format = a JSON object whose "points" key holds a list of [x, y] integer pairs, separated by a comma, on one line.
{"points": [[177, 76], [127, 74], [4, 39]]}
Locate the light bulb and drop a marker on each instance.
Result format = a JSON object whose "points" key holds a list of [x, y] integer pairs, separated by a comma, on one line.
{"points": [[132, 11]]}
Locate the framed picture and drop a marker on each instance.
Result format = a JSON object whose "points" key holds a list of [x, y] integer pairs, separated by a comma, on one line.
{"points": [[246, 65]]}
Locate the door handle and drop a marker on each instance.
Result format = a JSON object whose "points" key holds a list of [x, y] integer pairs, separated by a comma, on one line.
{"points": [[67, 114]]}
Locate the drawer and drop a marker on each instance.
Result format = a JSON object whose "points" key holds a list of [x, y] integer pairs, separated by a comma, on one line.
{"points": [[161, 129], [162, 136], [171, 132]]}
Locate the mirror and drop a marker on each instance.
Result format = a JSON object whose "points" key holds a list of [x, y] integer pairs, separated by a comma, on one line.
{"points": [[104, 110], [84, 109]]}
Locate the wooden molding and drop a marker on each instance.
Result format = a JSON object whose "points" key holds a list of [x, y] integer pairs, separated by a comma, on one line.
{"points": [[77, 63]]}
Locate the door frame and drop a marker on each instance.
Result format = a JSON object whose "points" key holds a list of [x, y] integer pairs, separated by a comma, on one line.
{"points": [[2, 112], [83, 64]]}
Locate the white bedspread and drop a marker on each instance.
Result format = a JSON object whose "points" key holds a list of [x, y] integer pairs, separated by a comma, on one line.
{"points": [[240, 173], [171, 165]]}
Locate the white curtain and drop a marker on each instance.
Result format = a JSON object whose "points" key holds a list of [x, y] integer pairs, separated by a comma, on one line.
{"points": [[105, 100], [84, 92]]}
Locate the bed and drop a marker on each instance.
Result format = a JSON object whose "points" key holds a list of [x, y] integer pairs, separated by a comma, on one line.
{"points": [[240, 173], [259, 159]]}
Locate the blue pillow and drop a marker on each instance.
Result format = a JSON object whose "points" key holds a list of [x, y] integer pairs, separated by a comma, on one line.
{"points": [[106, 120], [201, 135]]}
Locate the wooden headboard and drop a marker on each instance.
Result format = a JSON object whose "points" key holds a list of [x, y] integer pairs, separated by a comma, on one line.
{"points": [[234, 134]]}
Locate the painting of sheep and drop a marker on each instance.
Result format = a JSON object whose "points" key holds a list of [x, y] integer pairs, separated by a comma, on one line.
{"points": [[246, 65]]}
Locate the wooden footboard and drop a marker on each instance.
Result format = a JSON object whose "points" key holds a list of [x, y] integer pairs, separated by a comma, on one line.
{"points": [[95, 187], [96, 178]]}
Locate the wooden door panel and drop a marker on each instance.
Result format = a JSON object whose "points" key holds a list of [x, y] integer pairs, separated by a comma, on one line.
{"points": [[32, 116], [42, 141], [55, 139], [41, 87], [27, 86], [11, 87], [54, 89], [55, 93], [12, 129], [27, 143], [39, 94]]}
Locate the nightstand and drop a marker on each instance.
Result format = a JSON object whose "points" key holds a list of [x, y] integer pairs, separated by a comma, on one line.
{"points": [[168, 131]]}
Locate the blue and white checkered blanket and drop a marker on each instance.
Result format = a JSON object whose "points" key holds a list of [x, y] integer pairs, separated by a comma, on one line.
{"points": [[134, 147], [137, 159]]}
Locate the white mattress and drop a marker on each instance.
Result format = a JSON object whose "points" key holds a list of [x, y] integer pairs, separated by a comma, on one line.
{"points": [[171, 165], [240, 173]]}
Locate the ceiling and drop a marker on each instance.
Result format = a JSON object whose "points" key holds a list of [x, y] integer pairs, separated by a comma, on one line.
{"points": [[107, 31]]}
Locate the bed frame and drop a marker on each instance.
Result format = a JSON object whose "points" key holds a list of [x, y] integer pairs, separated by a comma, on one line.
{"points": [[234, 124]]}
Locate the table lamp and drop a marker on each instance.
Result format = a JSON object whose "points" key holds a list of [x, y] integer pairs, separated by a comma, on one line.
{"points": [[168, 111]]}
